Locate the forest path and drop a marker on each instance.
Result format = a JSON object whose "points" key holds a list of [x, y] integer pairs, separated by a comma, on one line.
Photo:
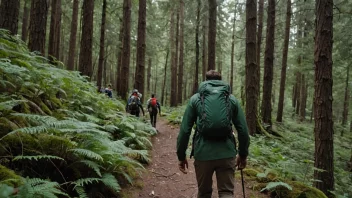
{"points": [[162, 179]]}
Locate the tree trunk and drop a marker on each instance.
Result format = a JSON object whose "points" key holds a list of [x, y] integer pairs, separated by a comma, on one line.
{"points": [[196, 81], [149, 74], [37, 25], [294, 96], [102, 47], [323, 129], [180, 62], [205, 48], [298, 90], [25, 21], [252, 79], [165, 76], [212, 35], [284, 63], [85, 55], [9, 11], [177, 55], [260, 32], [55, 28], [173, 98], [268, 64], [73, 36], [119, 60], [233, 50], [125, 71], [140, 66], [303, 99], [347, 98]]}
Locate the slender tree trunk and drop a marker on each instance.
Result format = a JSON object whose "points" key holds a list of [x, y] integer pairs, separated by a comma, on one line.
{"points": [[37, 25], [324, 155], [298, 90], [205, 48], [303, 99], [55, 28], [126, 48], [25, 21], [196, 73], [149, 75], [119, 61], [165, 76], [177, 55], [268, 64], [140, 67], [294, 96], [284, 63], [85, 56], [9, 11], [212, 35], [252, 79], [173, 101], [180, 62], [233, 50], [73, 36], [102, 47], [156, 78], [260, 31], [347, 98]]}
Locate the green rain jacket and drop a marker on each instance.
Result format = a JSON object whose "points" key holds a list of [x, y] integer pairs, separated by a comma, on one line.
{"points": [[206, 149]]}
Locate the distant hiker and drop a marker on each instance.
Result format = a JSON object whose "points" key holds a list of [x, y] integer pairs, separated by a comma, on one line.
{"points": [[108, 91], [153, 106], [214, 110], [134, 104]]}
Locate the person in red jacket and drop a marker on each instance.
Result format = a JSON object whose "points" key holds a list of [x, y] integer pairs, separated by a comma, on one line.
{"points": [[153, 106]]}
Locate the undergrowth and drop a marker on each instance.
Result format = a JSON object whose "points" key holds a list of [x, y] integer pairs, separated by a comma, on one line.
{"points": [[58, 136], [290, 160]]}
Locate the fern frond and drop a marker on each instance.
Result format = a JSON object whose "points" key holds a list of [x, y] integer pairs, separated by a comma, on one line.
{"points": [[273, 185], [141, 155], [87, 153], [85, 181], [81, 193], [31, 130], [8, 105], [96, 167], [110, 181], [40, 119], [37, 157]]}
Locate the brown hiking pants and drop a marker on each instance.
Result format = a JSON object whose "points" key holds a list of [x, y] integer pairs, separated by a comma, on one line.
{"points": [[225, 173]]}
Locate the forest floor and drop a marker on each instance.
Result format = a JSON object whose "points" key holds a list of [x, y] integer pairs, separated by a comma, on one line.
{"points": [[162, 178]]}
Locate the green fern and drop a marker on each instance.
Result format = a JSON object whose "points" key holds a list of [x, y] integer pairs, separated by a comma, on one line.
{"points": [[37, 157], [87, 153], [273, 185], [85, 181], [96, 167], [110, 181]]}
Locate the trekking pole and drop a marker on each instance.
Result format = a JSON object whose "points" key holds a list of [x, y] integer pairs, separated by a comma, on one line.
{"points": [[244, 194]]}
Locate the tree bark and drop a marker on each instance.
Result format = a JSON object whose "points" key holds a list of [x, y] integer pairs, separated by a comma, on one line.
{"points": [[212, 35], [125, 71], [173, 98], [149, 75], [233, 50], [177, 55], [55, 28], [268, 64], [196, 81], [85, 56], [303, 99], [260, 32], [37, 25], [102, 47], [73, 36], [298, 89], [140, 67], [323, 129], [25, 21], [205, 48], [180, 62], [9, 11], [252, 79], [165, 76], [284, 62], [119, 60], [347, 98]]}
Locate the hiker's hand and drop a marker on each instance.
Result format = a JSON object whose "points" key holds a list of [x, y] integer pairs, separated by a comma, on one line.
{"points": [[241, 162], [182, 165]]}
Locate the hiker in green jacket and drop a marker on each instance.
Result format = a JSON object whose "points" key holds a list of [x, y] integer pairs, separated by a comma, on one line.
{"points": [[213, 109]]}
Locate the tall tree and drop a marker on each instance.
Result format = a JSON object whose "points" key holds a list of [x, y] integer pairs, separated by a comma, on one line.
{"points": [[25, 21], [173, 99], [233, 49], [204, 45], [125, 70], [212, 34], [303, 99], [55, 29], [102, 47], [176, 52], [252, 79], [323, 129], [73, 36], [140, 67], [260, 31], [9, 11], [37, 25], [284, 62], [347, 98], [165, 76], [196, 73], [180, 62], [119, 60], [85, 56], [268, 64], [149, 74]]}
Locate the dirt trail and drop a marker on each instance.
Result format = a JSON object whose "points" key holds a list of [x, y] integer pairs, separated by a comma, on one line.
{"points": [[163, 179]]}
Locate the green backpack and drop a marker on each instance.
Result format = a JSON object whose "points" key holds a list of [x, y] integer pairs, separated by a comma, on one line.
{"points": [[215, 120]]}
